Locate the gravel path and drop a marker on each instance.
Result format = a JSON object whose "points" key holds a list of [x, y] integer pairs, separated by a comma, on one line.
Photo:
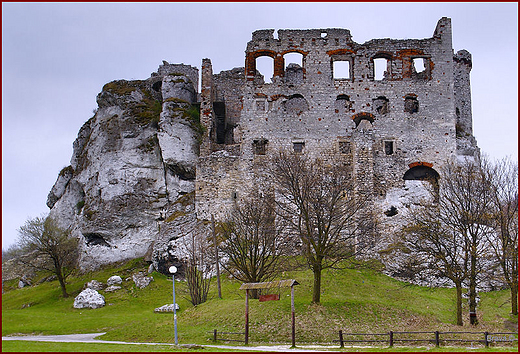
{"points": [[91, 338]]}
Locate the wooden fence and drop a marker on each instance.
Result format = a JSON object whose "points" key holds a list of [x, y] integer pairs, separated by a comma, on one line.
{"points": [[435, 337], [391, 338]]}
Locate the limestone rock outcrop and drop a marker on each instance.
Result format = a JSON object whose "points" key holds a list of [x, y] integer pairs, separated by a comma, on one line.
{"points": [[131, 163]]}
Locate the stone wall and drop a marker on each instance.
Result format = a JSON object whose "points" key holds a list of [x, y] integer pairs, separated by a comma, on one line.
{"points": [[382, 124]]}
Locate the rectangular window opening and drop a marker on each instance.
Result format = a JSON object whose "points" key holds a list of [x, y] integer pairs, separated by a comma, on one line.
{"points": [[341, 69], [380, 68], [344, 147], [419, 65], [260, 146], [298, 147], [389, 147]]}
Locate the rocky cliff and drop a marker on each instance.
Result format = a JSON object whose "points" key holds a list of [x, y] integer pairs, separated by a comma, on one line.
{"points": [[130, 184]]}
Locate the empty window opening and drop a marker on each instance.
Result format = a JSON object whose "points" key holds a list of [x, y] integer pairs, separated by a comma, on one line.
{"points": [[380, 105], [421, 173], [424, 173], [293, 58], [341, 69], [389, 147], [419, 65], [380, 68], [298, 146], [294, 68], [411, 104], [265, 67], [260, 146], [344, 147], [220, 114], [323, 34]]}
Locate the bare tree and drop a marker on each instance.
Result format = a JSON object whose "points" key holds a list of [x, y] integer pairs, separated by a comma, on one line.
{"points": [[461, 220], [503, 176], [441, 249], [198, 263], [51, 248], [320, 205], [465, 205], [252, 241]]}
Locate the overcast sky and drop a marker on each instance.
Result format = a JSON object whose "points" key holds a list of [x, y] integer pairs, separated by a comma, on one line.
{"points": [[57, 57]]}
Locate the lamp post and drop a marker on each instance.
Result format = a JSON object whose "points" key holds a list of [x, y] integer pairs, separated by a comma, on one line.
{"points": [[173, 270]]}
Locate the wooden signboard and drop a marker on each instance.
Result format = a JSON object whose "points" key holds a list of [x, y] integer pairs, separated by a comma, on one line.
{"points": [[269, 297]]}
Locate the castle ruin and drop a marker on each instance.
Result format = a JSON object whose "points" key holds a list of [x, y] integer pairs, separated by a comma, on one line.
{"points": [[393, 110]]}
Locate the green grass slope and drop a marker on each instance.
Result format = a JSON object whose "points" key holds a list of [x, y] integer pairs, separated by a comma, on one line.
{"points": [[358, 299]]}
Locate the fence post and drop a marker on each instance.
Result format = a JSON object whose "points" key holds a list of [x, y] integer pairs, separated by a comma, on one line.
{"points": [[486, 342], [391, 339], [214, 335], [341, 345], [437, 339]]}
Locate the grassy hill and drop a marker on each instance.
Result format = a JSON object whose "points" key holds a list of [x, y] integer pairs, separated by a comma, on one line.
{"points": [[357, 299]]}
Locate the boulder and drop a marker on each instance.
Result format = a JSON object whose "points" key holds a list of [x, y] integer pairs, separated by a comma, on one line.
{"points": [[95, 285], [167, 308], [141, 280], [24, 281], [113, 280], [89, 298], [112, 288]]}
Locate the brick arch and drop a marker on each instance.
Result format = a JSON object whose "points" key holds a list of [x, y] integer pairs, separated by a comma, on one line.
{"points": [[383, 55], [357, 118], [251, 62], [422, 171]]}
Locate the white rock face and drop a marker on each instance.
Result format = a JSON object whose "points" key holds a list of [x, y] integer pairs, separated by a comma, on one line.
{"points": [[114, 280], [132, 161], [89, 298]]}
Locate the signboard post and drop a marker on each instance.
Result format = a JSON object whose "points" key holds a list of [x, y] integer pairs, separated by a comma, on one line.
{"points": [[270, 285]]}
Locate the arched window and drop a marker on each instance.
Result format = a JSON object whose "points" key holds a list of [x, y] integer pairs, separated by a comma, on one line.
{"points": [[380, 105], [296, 104], [342, 105], [357, 118], [423, 171], [265, 66], [411, 104], [293, 68]]}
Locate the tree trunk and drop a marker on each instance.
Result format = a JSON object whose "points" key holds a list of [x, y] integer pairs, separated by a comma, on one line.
{"points": [[62, 283], [458, 287], [316, 290], [473, 288], [514, 299]]}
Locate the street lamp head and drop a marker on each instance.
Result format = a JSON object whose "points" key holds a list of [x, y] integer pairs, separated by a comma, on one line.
{"points": [[173, 269]]}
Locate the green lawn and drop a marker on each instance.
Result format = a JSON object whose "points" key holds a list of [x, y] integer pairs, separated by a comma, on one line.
{"points": [[353, 300]]}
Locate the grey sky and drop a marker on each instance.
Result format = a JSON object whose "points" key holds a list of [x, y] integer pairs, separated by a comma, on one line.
{"points": [[56, 57]]}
